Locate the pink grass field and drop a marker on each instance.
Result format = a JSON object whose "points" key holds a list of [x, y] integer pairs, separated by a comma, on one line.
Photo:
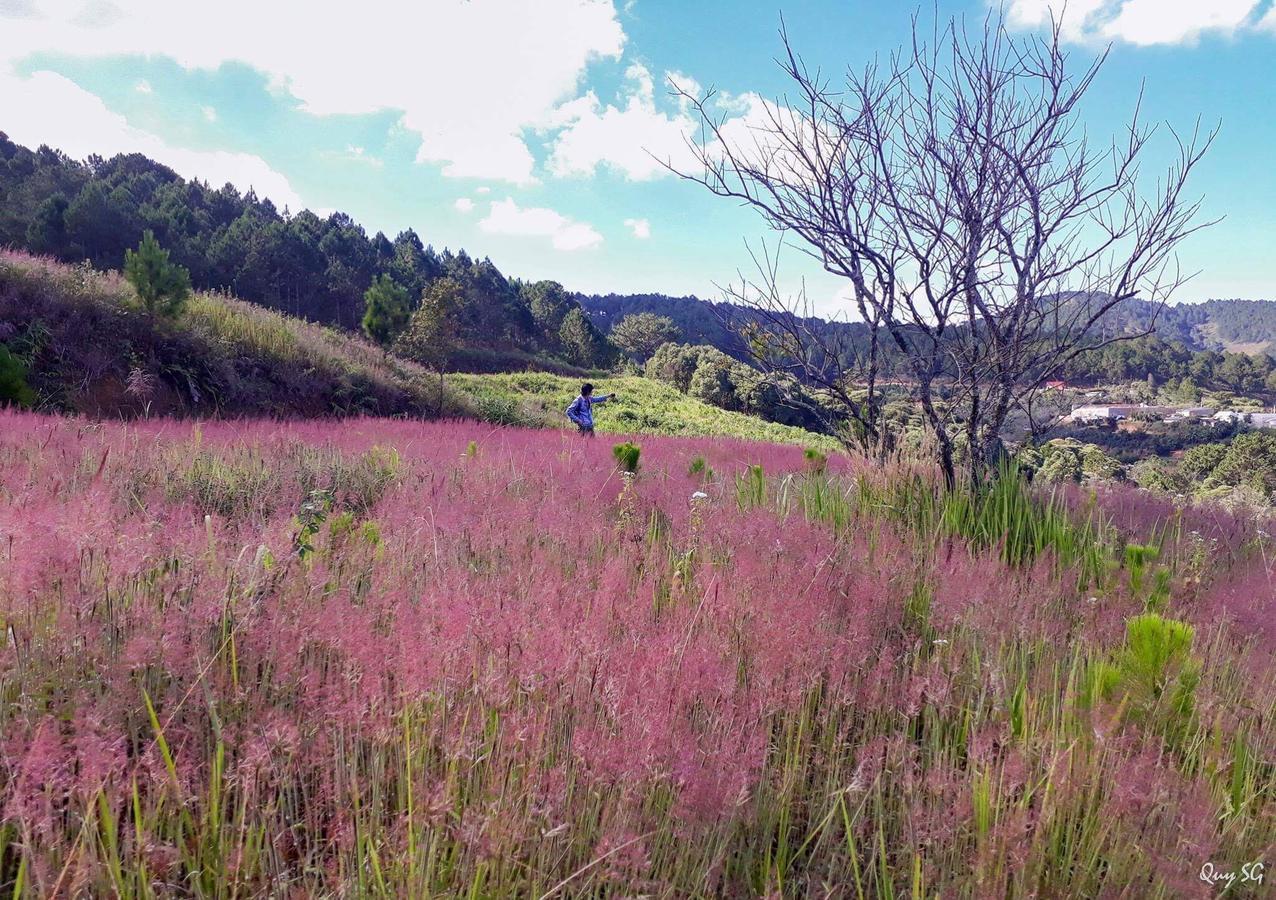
{"points": [[388, 658]]}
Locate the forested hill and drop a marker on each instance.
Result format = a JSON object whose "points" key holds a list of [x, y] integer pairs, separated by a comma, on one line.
{"points": [[301, 264], [1243, 326], [700, 321], [706, 322], [319, 268]]}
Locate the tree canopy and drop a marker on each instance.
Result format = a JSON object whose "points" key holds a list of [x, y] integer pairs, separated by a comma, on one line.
{"points": [[322, 269]]}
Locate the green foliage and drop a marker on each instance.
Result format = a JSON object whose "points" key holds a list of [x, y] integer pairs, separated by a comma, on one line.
{"points": [[751, 487], [233, 486], [645, 406], [1155, 672], [1250, 461], [161, 285], [626, 455], [1186, 373], [641, 334], [1156, 475], [1065, 459], [432, 332], [385, 312], [311, 515], [816, 461], [238, 483], [674, 364], [708, 374], [13, 380], [47, 232], [1153, 439], [1198, 463], [501, 410], [549, 303], [1139, 564], [717, 381], [1242, 470], [582, 343], [81, 337]]}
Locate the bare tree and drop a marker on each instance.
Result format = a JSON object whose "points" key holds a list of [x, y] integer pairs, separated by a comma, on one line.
{"points": [[984, 240]]}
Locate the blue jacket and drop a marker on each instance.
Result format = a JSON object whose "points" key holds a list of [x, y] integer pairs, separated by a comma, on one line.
{"points": [[582, 409]]}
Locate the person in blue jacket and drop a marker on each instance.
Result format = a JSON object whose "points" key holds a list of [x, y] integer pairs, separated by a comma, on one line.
{"points": [[581, 412]]}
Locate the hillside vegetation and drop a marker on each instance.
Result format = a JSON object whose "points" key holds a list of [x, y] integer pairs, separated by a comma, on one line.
{"points": [[88, 347], [403, 659], [296, 262], [644, 406], [85, 345]]}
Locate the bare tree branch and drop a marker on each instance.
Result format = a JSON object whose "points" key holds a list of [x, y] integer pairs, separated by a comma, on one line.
{"points": [[985, 242]]}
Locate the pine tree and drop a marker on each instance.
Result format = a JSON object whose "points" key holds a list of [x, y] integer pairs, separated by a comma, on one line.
{"points": [[582, 342], [385, 310], [161, 285], [431, 335]]}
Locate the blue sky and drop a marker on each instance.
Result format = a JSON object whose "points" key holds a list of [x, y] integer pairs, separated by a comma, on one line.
{"points": [[519, 130]]}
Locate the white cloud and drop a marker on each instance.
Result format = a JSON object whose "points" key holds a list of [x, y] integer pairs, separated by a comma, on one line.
{"points": [[143, 87], [484, 189], [46, 108], [464, 204], [468, 76], [1268, 22], [641, 228], [507, 217], [634, 139], [1143, 22], [210, 114], [16, 9]]}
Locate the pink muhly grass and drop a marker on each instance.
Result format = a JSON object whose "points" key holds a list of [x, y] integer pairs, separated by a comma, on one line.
{"points": [[499, 670]]}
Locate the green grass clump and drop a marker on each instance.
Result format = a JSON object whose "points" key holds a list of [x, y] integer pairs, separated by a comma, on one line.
{"points": [[816, 460]]}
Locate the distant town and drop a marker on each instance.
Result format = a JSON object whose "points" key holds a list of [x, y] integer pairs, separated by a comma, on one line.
{"points": [[1095, 414]]}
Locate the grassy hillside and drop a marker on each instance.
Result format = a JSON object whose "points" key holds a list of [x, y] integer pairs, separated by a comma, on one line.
{"points": [[643, 406], [89, 348]]}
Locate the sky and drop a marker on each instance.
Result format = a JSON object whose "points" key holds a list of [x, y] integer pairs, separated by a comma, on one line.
{"points": [[525, 130]]}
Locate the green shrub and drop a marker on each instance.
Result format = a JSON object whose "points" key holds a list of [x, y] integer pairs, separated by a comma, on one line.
{"points": [[626, 456], [13, 380], [1198, 463], [500, 410], [356, 485]]}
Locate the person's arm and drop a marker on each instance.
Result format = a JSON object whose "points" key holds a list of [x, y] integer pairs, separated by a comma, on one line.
{"points": [[603, 399], [573, 411]]}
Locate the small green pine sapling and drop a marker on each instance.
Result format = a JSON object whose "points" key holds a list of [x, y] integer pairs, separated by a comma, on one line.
{"points": [[161, 285], [627, 456]]}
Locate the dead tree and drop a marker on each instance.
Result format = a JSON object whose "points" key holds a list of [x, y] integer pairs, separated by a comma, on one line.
{"points": [[983, 239]]}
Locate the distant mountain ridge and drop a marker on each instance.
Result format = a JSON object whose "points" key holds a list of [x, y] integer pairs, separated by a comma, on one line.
{"points": [[1233, 325]]}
